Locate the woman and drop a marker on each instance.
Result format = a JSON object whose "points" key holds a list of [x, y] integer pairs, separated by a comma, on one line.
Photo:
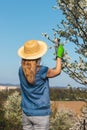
{"points": [[35, 85]]}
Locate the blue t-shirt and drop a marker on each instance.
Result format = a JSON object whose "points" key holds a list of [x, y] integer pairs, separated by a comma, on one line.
{"points": [[35, 98]]}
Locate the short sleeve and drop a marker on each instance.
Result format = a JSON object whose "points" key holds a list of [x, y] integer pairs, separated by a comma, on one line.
{"points": [[44, 70]]}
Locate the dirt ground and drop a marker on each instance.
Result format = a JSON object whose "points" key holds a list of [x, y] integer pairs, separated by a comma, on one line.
{"points": [[74, 106]]}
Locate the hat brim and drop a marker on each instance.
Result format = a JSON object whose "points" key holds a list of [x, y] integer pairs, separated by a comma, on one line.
{"points": [[35, 55]]}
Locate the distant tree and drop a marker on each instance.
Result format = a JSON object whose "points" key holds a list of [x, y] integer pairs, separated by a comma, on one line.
{"points": [[73, 29], [71, 94]]}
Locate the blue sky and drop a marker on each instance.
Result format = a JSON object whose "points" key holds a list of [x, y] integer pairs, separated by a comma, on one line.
{"points": [[22, 20]]}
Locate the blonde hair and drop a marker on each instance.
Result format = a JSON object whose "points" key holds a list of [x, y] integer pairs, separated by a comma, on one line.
{"points": [[29, 69]]}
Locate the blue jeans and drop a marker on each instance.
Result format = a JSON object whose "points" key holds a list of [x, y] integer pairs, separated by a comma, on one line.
{"points": [[35, 122]]}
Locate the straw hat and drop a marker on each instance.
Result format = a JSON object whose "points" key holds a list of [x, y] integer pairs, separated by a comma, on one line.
{"points": [[32, 49]]}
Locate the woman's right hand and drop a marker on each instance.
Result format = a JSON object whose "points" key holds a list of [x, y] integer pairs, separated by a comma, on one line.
{"points": [[56, 71]]}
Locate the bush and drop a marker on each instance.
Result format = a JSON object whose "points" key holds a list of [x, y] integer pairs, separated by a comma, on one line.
{"points": [[62, 119], [13, 110]]}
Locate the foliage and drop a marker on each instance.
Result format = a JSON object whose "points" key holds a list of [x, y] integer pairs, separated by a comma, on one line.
{"points": [[12, 109], [65, 119], [2, 119], [81, 124], [73, 30], [70, 94], [3, 98], [62, 119]]}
